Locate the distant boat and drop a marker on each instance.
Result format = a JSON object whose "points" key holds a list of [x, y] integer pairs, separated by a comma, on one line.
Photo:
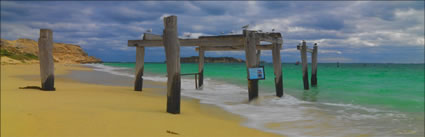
{"points": [[297, 63]]}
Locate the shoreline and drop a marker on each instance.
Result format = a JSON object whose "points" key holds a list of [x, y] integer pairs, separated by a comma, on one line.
{"points": [[83, 109], [160, 88], [289, 116]]}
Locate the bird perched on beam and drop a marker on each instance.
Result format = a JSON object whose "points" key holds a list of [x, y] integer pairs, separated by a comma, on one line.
{"points": [[149, 30]]}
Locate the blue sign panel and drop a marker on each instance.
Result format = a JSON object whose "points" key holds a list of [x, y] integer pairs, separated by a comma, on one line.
{"points": [[256, 73]]}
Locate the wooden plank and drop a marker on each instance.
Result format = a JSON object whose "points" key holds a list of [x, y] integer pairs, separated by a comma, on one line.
{"points": [[45, 55], [204, 41], [201, 67], [172, 52], [149, 36], [221, 37], [235, 48], [251, 61], [140, 55], [264, 47], [277, 65], [145, 43], [270, 37], [314, 66], [222, 40], [304, 64]]}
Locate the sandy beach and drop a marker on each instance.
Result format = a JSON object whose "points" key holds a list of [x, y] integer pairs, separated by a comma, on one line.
{"points": [[87, 109]]}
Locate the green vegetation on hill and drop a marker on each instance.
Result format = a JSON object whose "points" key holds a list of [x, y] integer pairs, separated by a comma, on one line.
{"points": [[18, 55]]}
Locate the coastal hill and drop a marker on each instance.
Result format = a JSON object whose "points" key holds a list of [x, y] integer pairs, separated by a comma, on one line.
{"points": [[26, 51], [195, 59]]}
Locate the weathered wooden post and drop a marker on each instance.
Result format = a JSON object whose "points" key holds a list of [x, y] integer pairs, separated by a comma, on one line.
{"points": [[314, 66], [140, 55], [303, 51], [251, 61], [258, 57], [196, 81], [201, 67], [45, 55], [277, 65], [172, 52]]}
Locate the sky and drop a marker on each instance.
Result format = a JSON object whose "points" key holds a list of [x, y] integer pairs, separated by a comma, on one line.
{"points": [[346, 31]]}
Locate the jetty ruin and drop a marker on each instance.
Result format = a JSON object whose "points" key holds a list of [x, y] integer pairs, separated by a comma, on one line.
{"points": [[248, 41]]}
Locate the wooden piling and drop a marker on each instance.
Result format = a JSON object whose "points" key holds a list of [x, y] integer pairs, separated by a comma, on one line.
{"points": [[172, 49], [314, 66], [258, 55], [45, 55], [251, 61], [277, 65], [303, 51], [140, 55], [196, 81], [201, 67]]}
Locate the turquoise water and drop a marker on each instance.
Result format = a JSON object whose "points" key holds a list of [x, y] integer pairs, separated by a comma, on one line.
{"points": [[350, 100], [384, 86]]}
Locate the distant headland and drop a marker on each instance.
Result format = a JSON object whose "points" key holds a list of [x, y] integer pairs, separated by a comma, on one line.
{"points": [[26, 51]]}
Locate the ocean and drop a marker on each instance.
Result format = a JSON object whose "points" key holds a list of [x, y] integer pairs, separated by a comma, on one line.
{"points": [[350, 100]]}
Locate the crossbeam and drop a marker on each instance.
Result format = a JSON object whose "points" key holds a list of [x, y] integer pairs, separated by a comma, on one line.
{"points": [[207, 41], [308, 49], [149, 36], [233, 48], [249, 42], [201, 41], [270, 37]]}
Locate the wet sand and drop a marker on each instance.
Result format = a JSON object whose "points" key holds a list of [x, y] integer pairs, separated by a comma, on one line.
{"points": [[79, 108]]}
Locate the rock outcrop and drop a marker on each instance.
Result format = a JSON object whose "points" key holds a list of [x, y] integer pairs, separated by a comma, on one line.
{"points": [[195, 59], [26, 51]]}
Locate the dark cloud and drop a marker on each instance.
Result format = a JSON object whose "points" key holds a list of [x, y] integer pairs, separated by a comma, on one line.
{"points": [[363, 31], [327, 22]]}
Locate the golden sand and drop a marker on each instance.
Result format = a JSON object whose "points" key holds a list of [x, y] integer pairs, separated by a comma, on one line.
{"points": [[78, 109]]}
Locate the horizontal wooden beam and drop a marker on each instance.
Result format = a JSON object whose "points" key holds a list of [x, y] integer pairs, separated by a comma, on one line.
{"points": [[308, 49], [152, 40], [228, 40], [270, 37], [233, 48], [149, 36], [220, 37]]}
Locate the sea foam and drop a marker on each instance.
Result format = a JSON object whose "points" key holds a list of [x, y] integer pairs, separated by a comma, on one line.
{"points": [[294, 117]]}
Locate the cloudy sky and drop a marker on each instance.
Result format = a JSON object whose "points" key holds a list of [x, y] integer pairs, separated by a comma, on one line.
{"points": [[348, 31]]}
